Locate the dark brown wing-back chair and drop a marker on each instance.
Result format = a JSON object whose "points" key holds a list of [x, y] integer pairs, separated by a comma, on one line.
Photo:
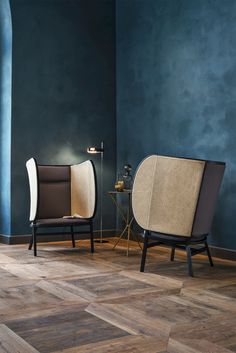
{"points": [[174, 200], [61, 196]]}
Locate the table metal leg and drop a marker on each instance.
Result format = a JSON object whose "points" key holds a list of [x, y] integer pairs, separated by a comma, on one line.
{"points": [[128, 238], [126, 216], [121, 235]]}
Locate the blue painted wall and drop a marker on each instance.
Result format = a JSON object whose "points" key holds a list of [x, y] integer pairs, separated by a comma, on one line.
{"points": [[5, 116], [63, 91], [176, 89]]}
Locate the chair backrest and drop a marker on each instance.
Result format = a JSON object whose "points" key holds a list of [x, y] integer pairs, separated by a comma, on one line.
{"points": [[176, 196], [57, 191], [54, 191]]}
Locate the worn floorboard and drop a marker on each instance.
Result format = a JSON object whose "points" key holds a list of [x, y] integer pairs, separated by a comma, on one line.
{"points": [[67, 300]]}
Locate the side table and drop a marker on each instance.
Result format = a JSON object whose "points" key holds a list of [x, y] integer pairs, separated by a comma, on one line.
{"points": [[126, 215]]}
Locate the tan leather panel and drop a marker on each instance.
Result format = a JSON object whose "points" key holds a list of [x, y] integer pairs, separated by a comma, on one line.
{"points": [[83, 190], [167, 200], [143, 190]]}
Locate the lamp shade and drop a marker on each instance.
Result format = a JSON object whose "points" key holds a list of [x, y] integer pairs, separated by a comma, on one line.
{"points": [[95, 150]]}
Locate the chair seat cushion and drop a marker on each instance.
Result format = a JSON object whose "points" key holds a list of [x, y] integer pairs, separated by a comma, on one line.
{"points": [[165, 238], [60, 222]]}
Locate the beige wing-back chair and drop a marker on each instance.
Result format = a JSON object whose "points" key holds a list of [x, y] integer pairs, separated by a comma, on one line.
{"points": [[173, 201], [61, 196]]}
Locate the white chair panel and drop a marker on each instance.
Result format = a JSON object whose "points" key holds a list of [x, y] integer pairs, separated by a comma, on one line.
{"points": [[143, 190], [33, 183], [83, 190]]}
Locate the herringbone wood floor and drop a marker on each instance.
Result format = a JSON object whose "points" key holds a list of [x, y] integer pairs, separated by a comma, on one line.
{"points": [[67, 300]]}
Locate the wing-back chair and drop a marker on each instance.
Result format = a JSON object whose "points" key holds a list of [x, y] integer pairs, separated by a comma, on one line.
{"points": [[173, 201], [61, 196]]}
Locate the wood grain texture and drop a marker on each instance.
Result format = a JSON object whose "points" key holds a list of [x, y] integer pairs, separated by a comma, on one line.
{"points": [[12, 343], [194, 346], [156, 315], [128, 344], [220, 330], [69, 301], [59, 331]]}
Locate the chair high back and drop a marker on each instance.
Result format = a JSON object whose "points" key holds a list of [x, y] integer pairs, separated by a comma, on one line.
{"points": [[58, 191], [62, 196], [176, 196]]}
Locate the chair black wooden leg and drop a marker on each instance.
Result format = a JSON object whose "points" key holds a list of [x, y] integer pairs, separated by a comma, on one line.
{"points": [[145, 246], [34, 230], [91, 239], [172, 256], [72, 236], [209, 254], [189, 258], [30, 242]]}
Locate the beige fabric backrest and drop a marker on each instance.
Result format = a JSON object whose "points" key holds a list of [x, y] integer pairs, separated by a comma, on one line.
{"points": [[165, 194], [83, 189], [33, 183]]}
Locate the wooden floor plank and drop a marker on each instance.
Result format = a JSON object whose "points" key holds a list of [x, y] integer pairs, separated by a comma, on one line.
{"points": [[154, 279], [111, 286], [220, 330], [25, 298], [12, 343], [132, 321], [60, 331], [154, 315], [4, 259], [194, 346], [211, 298], [127, 344], [67, 300], [58, 291], [226, 290], [55, 269]]}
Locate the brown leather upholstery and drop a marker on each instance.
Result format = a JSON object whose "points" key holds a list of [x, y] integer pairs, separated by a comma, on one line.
{"points": [[208, 198], [58, 222], [54, 173], [54, 191]]}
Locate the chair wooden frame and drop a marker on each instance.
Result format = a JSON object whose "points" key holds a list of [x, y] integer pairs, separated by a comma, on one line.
{"points": [[177, 243]]}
